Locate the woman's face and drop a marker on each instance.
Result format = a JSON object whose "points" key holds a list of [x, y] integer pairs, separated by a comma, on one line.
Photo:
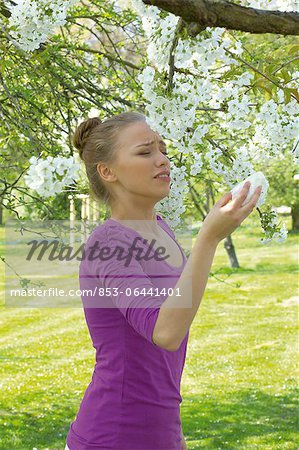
{"points": [[141, 155]]}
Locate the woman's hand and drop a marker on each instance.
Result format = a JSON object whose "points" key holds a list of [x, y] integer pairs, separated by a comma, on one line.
{"points": [[227, 215]]}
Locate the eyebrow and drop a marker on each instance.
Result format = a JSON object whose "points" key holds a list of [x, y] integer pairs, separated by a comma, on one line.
{"points": [[146, 144]]}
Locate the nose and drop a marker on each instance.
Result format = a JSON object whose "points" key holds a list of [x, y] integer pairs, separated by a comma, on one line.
{"points": [[163, 160]]}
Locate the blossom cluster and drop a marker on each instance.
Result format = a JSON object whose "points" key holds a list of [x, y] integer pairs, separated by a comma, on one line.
{"points": [[272, 5], [50, 175], [181, 109], [178, 114], [170, 204], [32, 22]]}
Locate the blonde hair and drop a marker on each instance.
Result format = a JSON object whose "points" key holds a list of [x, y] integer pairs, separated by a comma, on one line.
{"points": [[96, 141]]}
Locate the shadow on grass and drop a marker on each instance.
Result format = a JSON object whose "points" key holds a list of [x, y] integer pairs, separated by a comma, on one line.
{"points": [[208, 422], [260, 268], [26, 428], [250, 417]]}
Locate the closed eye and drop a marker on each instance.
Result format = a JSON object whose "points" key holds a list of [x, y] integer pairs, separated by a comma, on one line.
{"points": [[148, 153]]}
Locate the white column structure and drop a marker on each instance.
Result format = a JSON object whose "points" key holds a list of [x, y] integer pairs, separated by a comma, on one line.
{"points": [[72, 220], [87, 214], [95, 213], [89, 211]]}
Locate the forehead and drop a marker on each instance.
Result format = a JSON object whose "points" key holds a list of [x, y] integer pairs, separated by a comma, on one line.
{"points": [[137, 133]]}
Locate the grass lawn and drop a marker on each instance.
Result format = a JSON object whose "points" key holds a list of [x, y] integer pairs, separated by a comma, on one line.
{"points": [[239, 383]]}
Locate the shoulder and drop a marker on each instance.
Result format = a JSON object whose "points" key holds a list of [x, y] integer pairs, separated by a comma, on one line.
{"points": [[166, 225], [111, 233], [103, 241]]}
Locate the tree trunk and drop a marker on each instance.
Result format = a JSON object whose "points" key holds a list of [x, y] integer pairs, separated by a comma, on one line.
{"points": [[201, 14], [295, 216], [229, 247]]}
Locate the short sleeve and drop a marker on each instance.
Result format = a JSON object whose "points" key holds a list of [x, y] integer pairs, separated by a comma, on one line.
{"points": [[117, 269]]}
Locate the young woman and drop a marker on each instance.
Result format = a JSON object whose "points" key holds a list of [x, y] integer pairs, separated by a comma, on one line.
{"points": [[138, 325]]}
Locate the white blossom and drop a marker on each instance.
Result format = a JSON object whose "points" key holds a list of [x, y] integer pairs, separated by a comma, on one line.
{"points": [[267, 127], [44, 175], [31, 21], [272, 5], [197, 164]]}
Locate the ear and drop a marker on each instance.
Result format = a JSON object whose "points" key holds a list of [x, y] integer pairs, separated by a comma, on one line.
{"points": [[105, 172]]}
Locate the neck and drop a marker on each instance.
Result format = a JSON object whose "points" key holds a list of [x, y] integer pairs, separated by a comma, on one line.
{"points": [[140, 220]]}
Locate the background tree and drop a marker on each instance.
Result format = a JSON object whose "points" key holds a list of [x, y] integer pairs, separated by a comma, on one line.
{"points": [[92, 63]]}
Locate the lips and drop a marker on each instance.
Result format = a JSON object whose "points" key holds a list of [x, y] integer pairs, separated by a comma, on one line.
{"points": [[165, 178], [163, 173]]}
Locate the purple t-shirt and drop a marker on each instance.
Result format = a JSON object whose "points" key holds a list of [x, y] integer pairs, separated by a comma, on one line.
{"points": [[133, 400]]}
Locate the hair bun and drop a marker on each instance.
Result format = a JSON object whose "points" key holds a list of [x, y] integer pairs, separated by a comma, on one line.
{"points": [[83, 131]]}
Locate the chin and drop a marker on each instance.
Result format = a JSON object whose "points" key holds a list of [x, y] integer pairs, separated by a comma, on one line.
{"points": [[163, 196]]}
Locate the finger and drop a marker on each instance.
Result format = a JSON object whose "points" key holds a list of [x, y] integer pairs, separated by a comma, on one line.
{"points": [[224, 199], [253, 201], [239, 199]]}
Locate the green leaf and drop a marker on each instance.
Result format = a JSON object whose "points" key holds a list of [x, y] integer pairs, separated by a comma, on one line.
{"points": [[294, 92], [293, 49], [286, 75], [265, 84], [287, 95]]}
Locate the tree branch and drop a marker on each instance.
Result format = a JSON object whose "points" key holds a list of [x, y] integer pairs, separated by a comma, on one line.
{"points": [[4, 10], [98, 52], [179, 27], [200, 14]]}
